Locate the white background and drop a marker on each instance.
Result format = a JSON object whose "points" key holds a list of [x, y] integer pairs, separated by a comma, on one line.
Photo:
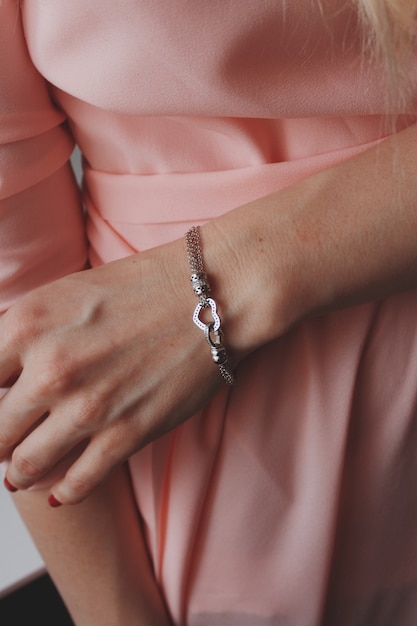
{"points": [[19, 559]]}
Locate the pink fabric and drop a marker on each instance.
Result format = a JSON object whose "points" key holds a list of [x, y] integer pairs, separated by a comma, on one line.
{"points": [[287, 501]]}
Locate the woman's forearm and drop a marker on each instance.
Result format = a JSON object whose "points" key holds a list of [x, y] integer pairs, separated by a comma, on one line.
{"points": [[344, 236], [341, 237], [96, 555]]}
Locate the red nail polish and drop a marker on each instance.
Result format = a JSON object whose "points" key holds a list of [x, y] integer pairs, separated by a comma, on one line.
{"points": [[9, 486], [53, 501]]}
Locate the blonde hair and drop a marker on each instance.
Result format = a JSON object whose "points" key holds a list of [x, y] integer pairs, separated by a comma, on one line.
{"points": [[391, 33]]}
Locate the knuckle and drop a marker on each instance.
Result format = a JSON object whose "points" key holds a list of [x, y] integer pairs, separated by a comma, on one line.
{"points": [[55, 377], [79, 485], [81, 422], [17, 330], [26, 466], [6, 440], [87, 412], [25, 318]]}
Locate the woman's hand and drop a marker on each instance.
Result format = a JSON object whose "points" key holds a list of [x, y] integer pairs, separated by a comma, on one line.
{"points": [[109, 357]]}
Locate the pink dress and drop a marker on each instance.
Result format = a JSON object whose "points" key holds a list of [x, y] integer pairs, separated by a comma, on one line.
{"points": [[290, 500]]}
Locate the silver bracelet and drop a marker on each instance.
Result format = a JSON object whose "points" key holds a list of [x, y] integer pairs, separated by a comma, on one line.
{"points": [[201, 288]]}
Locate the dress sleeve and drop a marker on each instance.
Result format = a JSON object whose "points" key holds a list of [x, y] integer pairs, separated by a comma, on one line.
{"points": [[42, 234]]}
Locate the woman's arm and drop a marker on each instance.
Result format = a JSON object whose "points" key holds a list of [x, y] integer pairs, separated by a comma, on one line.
{"points": [[345, 236], [96, 556], [124, 363]]}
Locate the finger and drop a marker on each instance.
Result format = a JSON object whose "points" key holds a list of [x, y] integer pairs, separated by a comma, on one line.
{"points": [[20, 412], [103, 454], [12, 379], [43, 383], [10, 347], [10, 369], [41, 451]]}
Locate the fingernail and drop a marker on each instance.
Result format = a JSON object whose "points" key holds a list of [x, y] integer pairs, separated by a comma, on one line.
{"points": [[53, 501], [9, 486]]}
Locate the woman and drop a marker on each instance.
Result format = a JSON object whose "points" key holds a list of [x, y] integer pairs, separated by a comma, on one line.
{"points": [[285, 498]]}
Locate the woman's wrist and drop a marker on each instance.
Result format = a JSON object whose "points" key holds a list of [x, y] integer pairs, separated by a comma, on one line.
{"points": [[253, 271], [339, 238]]}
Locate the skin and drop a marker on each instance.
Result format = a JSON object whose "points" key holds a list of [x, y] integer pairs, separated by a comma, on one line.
{"points": [[96, 555], [343, 236], [124, 364]]}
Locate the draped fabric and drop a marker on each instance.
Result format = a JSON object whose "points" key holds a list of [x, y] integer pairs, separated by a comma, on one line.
{"points": [[289, 500]]}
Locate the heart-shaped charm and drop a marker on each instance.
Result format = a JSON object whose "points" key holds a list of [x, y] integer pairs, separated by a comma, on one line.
{"points": [[213, 308]]}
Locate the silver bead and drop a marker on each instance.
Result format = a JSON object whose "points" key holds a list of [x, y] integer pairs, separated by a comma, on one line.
{"points": [[200, 283], [219, 355]]}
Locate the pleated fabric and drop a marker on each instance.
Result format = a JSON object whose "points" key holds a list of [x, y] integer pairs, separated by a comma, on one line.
{"points": [[289, 500]]}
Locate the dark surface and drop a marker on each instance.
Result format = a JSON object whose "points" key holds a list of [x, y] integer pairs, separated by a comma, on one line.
{"points": [[35, 604]]}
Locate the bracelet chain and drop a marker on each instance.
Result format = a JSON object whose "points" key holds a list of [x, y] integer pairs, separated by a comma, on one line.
{"points": [[201, 288]]}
